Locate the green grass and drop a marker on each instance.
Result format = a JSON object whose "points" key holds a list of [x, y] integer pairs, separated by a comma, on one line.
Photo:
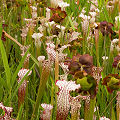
{"points": [[13, 14]]}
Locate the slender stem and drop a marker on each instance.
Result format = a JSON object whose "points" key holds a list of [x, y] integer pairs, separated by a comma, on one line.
{"points": [[74, 116], [96, 45], [26, 102], [119, 27], [118, 105], [43, 81], [7, 35], [84, 38], [86, 110], [52, 100], [56, 77], [92, 106]]}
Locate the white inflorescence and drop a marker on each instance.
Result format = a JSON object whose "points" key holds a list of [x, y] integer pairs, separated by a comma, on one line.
{"points": [[114, 45], [54, 3], [23, 72], [63, 4], [47, 106], [41, 58], [37, 37], [51, 52], [63, 99], [7, 110], [117, 20], [104, 118], [47, 111], [64, 67], [49, 24], [118, 99], [75, 104], [105, 57]]}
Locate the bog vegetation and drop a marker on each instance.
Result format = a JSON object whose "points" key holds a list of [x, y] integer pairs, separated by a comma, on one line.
{"points": [[59, 60]]}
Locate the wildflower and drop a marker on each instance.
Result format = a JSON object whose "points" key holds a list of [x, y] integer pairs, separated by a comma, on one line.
{"points": [[47, 111], [63, 47], [34, 12], [63, 5], [115, 41], [24, 49], [41, 58], [104, 118], [63, 99], [47, 13], [51, 52], [37, 37], [85, 25], [75, 106], [84, 17], [74, 36], [22, 88], [105, 57], [117, 20], [28, 20], [64, 67], [24, 32], [61, 27], [116, 62], [64, 76], [58, 15], [93, 14], [79, 62], [41, 29], [54, 3], [112, 82], [118, 99], [49, 24], [106, 28], [23, 72], [33, 8], [96, 74], [110, 6], [7, 110], [93, 7], [49, 38], [114, 45]]}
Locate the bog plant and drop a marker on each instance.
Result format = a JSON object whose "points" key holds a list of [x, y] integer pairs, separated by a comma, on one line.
{"points": [[60, 60]]}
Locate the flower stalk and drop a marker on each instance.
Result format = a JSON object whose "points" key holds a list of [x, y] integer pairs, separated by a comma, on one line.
{"points": [[118, 105], [7, 35], [96, 45], [43, 81], [56, 77], [86, 108], [119, 27], [92, 106]]}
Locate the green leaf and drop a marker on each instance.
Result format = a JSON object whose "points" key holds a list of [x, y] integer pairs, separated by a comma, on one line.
{"points": [[72, 25], [20, 113], [37, 63], [84, 83], [5, 60]]}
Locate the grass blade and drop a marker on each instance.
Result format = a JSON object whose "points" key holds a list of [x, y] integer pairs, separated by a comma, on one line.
{"points": [[5, 60]]}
